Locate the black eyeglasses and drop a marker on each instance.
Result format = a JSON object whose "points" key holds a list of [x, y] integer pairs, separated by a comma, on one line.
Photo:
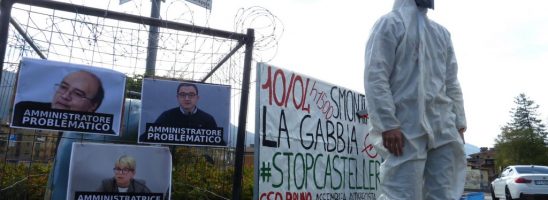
{"points": [[122, 171], [186, 95]]}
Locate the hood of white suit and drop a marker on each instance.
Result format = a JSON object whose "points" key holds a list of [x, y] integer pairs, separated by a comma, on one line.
{"points": [[403, 4]]}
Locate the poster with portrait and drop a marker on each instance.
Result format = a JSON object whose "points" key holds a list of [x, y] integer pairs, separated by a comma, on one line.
{"points": [[62, 96], [312, 140], [184, 113], [113, 171]]}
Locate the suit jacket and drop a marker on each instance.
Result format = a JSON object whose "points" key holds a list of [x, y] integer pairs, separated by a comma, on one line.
{"points": [[174, 117]]}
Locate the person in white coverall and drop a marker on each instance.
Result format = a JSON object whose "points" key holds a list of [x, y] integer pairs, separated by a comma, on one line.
{"points": [[415, 105]]}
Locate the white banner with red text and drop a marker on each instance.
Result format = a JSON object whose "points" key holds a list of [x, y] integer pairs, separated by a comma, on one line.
{"points": [[310, 142]]}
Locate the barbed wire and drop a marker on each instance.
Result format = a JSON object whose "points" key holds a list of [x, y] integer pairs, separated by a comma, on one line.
{"points": [[122, 46], [268, 30]]}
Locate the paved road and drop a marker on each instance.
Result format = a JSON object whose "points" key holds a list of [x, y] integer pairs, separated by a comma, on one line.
{"points": [[487, 196]]}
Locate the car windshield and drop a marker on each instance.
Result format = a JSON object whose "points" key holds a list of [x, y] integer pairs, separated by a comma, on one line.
{"points": [[532, 170]]}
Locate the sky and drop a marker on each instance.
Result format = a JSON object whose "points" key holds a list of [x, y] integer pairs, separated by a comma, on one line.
{"points": [[501, 48], [501, 45]]}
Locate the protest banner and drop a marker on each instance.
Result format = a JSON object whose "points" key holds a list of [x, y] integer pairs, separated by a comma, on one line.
{"points": [[310, 142]]}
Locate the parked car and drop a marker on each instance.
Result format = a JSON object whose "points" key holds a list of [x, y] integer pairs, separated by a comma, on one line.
{"points": [[521, 181]]}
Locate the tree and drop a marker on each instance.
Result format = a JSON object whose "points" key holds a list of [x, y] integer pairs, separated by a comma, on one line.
{"points": [[522, 140], [133, 85]]}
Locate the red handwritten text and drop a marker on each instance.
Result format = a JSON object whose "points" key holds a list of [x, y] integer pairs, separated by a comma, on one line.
{"points": [[296, 88]]}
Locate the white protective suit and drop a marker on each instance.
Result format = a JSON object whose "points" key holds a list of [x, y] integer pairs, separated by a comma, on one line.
{"points": [[411, 84]]}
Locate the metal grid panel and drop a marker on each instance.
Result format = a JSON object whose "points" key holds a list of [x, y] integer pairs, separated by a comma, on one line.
{"points": [[114, 44]]}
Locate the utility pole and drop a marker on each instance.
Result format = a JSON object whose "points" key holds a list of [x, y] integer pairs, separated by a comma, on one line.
{"points": [[152, 49]]}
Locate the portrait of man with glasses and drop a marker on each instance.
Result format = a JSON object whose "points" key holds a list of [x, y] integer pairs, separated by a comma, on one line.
{"points": [[78, 91], [187, 114], [184, 113], [68, 97]]}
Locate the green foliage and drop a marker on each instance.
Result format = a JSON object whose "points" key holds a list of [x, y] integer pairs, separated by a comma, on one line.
{"points": [[525, 116], [134, 84], [196, 177], [523, 140], [21, 182], [247, 185]]}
